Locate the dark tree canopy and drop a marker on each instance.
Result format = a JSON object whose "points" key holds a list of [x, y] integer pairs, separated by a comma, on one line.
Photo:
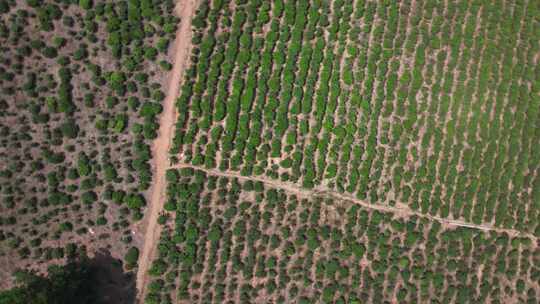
{"points": [[97, 280], [67, 284]]}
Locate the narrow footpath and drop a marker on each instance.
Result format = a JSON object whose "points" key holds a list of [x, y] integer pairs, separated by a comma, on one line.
{"points": [[400, 209]]}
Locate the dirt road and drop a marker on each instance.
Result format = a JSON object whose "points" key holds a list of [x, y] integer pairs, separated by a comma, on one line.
{"points": [[401, 209], [181, 50]]}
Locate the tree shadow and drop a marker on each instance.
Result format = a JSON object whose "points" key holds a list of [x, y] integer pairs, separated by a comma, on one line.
{"points": [[112, 284]]}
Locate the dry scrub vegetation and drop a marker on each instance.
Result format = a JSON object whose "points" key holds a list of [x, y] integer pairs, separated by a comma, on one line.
{"points": [[81, 91]]}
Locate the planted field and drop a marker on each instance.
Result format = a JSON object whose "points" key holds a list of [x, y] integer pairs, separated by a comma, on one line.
{"points": [[355, 152], [431, 104], [238, 241]]}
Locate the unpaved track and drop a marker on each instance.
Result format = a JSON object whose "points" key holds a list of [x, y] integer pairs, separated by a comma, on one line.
{"points": [[181, 49], [401, 210]]}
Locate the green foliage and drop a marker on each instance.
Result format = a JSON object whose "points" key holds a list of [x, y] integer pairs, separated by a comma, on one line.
{"points": [[89, 197], [70, 129], [134, 201], [86, 4], [132, 257]]}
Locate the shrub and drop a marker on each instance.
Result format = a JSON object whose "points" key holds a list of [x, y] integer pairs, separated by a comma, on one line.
{"points": [[132, 257]]}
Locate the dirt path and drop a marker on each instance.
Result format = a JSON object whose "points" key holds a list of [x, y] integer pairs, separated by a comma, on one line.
{"points": [[400, 209], [181, 49]]}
